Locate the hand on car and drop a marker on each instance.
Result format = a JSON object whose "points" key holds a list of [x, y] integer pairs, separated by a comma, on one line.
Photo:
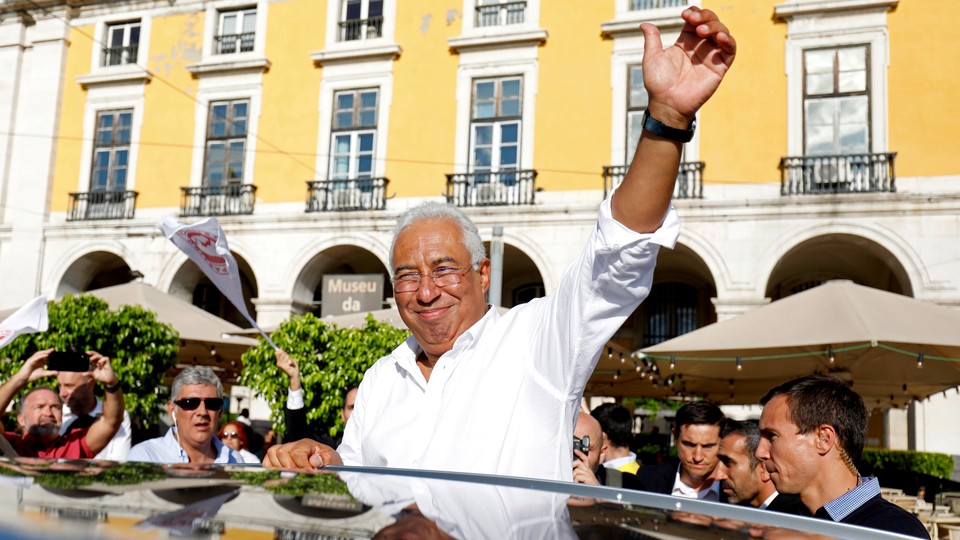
{"points": [[302, 454]]}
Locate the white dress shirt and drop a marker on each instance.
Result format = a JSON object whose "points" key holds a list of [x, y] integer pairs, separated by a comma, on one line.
{"points": [[681, 489], [167, 449], [118, 447], [504, 400]]}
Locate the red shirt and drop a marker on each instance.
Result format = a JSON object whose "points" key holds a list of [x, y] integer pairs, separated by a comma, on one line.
{"points": [[72, 445]]}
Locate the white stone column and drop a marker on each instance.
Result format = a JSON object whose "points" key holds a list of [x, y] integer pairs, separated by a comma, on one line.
{"points": [[729, 307], [30, 108], [273, 311]]}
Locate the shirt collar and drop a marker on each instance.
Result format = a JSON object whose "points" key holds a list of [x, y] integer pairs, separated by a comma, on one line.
{"points": [[844, 505], [680, 488], [769, 500], [171, 441], [406, 356]]}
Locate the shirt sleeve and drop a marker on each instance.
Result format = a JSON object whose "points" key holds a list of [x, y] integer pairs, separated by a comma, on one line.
{"points": [[351, 449], [294, 399]]}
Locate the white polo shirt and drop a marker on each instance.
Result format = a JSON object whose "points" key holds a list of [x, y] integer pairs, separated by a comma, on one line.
{"points": [[504, 400]]}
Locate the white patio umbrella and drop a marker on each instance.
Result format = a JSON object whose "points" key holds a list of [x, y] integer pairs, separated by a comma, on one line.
{"points": [[892, 348]]}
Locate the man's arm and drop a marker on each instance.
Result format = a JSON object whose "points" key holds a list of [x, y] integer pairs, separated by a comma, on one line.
{"points": [[679, 80], [30, 371], [106, 426]]}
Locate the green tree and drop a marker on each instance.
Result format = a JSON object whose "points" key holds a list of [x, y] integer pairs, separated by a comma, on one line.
{"points": [[331, 360], [141, 349]]}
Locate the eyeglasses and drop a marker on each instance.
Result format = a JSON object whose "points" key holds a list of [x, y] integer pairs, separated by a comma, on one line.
{"points": [[191, 403], [445, 276], [233, 435]]}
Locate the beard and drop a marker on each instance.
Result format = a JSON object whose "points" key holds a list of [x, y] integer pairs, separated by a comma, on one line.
{"points": [[44, 432]]}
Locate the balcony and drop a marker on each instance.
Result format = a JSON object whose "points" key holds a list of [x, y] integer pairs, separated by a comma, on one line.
{"points": [[358, 29], [115, 56], [234, 43], [689, 179], [847, 173], [93, 205], [504, 188], [345, 195], [500, 14], [637, 5], [228, 200]]}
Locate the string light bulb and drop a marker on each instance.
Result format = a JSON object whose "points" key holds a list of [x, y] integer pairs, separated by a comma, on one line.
{"points": [[739, 364], [831, 357], [920, 361], [673, 361], [622, 359], [616, 375]]}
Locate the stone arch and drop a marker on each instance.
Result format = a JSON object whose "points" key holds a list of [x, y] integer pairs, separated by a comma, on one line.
{"points": [[522, 280], [341, 258], [94, 270], [826, 254], [191, 285]]}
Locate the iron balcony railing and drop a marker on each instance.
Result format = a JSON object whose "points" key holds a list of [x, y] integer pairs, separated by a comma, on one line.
{"points": [[689, 179], [637, 5], [343, 195], [509, 187], [358, 29], [92, 205], [234, 43], [228, 200], [500, 14], [847, 173], [115, 56]]}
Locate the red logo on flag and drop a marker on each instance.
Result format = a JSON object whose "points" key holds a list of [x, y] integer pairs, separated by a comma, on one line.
{"points": [[205, 244]]}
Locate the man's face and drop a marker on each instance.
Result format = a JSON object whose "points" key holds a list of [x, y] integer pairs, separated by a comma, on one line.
{"points": [[438, 316], [348, 401], [589, 427], [789, 456], [76, 390], [41, 416], [198, 426], [740, 479], [697, 446]]}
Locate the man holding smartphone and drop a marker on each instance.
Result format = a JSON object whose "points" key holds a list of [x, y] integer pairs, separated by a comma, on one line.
{"points": [[81, 408], [40, 413]]}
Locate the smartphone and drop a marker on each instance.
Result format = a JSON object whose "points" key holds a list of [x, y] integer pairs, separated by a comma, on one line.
{"points": [[68, 361]]}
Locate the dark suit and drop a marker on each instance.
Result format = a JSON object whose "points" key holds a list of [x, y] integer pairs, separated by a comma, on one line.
{"points": [[297, 428], [659, 479], [788, 504]]}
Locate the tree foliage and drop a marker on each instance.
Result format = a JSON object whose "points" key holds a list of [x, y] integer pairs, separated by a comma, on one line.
{"points": [[141, 349], [332, 360]]}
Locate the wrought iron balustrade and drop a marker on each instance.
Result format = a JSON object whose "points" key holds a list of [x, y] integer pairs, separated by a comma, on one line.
{"points": [[228, 200], [115, 56], [343, 195], [91, 205], [501, 14], [842, 173], [689, 179], [233, 43], [509, 187], [636, 5], [357, 29]]}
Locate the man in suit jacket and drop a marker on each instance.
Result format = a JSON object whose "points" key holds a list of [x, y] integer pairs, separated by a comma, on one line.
{"points": [[743, 478], [696, 433]]}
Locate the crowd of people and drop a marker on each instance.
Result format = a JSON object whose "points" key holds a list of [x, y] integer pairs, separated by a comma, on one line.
{"points": [[475, 391]]}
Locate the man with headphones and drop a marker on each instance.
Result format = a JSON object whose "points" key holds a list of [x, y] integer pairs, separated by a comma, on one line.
{"points": [[195, 407]]}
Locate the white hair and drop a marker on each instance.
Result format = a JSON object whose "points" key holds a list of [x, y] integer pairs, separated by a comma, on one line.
{"points": [[434, 211]]}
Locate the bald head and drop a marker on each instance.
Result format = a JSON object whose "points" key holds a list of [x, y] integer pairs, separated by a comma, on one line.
{"points": [[588, 426]]}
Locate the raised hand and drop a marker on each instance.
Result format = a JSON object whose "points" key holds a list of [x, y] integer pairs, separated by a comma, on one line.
{"points": [[35, 367], [682, 77], [100, 369], [288, 365]]}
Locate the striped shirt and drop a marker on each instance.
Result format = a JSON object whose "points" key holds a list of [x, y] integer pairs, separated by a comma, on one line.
{"points": [[845, 504]]}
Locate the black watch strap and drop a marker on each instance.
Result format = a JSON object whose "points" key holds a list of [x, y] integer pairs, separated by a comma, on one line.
{"points": [[657, 127], [112, 389]]}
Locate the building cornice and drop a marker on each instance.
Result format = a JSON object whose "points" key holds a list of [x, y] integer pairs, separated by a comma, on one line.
{"points": [[798, 8], [497, 40], [356, 54]]}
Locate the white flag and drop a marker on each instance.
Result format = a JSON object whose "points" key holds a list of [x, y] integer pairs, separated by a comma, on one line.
{"points": [[26, 320], [206, 245]]}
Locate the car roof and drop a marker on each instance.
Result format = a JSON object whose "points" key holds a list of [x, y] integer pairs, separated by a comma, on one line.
{"points": [[95, 499]]}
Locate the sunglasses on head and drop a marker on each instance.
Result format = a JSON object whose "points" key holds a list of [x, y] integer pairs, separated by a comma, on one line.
{"points": [[191, 403]]}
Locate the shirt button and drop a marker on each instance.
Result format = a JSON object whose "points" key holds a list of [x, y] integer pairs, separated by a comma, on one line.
{"points": [[616, 247]]}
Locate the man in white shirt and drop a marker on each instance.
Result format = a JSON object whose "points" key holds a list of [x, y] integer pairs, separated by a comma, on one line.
{"points": [[696, 433], [475, 391], [81, 408]]}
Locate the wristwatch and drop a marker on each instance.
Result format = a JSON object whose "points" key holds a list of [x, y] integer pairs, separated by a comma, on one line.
{"points": [[112, 389], [657, 127]]}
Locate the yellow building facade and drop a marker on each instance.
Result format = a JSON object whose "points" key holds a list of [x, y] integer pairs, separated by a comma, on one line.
{"points": [[306, 127]]}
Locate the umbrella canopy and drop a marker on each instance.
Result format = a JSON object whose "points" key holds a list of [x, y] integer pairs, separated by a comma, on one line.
{"points": [[205, 339], [892, 348]]}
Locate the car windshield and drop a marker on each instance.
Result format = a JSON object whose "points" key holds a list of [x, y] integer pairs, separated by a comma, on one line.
{"points": [[42, 498]]}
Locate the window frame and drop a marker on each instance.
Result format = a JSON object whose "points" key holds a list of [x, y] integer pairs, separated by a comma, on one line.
{"points": [[355, 129], [836, 95], [227, 141], [125, 55], [243, 14], [497, 122], [112, 149]]}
